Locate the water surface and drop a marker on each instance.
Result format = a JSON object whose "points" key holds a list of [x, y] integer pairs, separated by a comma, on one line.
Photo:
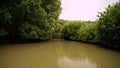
{"points": [[57, 54]]}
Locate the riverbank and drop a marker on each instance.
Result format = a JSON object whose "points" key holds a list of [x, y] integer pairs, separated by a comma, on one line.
{"points": [[37, 41]]}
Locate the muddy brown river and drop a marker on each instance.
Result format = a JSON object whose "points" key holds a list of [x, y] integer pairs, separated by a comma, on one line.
{"points": [[57, 54]]}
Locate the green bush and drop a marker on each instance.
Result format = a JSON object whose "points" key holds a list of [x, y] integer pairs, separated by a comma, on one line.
{"points": [[57, 34], [3, 34], [28, 19], [87, 33], [32, 32], [70, 30], [109, 26]]}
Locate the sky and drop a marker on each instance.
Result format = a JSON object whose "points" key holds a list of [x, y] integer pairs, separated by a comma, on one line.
{"points": [[85, 10]]}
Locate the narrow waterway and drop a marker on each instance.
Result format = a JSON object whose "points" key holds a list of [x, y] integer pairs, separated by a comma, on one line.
{"points": [[57, 54]]}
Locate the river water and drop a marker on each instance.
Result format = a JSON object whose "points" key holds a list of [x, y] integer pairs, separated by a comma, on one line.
{"points": [[57, 54]]}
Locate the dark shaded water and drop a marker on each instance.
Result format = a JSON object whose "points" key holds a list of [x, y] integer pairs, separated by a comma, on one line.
{"points": [[57, 54]]}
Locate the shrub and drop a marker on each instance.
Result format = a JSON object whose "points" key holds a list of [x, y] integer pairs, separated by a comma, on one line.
{"points": [[57, 34], [70, 30], [32, 32], [109, 26], [32, 18], [87, 33]]}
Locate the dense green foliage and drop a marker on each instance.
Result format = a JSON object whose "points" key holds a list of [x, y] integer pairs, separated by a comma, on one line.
{"points": [[109, 26], [38, 20], [28, 19], [80, 31], [105, 31], [57, 29], [70, 30], [88, 33]]}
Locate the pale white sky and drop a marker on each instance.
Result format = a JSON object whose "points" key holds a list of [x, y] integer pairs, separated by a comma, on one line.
{"points": [[83, 9]]}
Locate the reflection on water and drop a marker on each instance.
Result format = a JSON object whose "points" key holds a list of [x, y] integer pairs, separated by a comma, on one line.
{"points": [[66, 62], [57, 54]]}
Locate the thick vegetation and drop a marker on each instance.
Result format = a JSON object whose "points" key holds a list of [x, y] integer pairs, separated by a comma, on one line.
{"points": [[58, 26], [109, 26], [38, 20], [28, 19], [80, 31], [88, 33], [106, 30], [70, 30]]}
